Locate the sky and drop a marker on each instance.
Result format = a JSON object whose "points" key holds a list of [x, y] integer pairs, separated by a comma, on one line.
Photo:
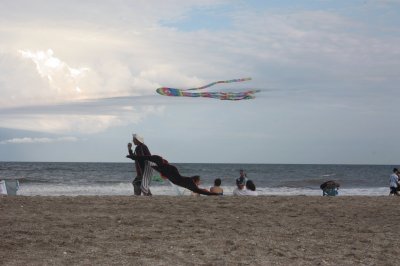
{"points": [[78, 78]]}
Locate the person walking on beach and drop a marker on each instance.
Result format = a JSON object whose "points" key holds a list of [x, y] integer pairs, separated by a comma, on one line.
{"points": [[171, 173], [394, 182], [144, 171]]}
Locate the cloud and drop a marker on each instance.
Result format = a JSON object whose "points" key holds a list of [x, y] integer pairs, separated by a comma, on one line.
{"points": [[37, 140], [90, 51], [59, 75], [87, 117]]}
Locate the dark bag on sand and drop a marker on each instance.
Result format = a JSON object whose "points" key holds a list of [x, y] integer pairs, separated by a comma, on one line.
{"points": [[329, 188], [329, 184]]}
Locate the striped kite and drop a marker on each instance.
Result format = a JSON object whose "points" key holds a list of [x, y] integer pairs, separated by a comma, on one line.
{"points": [[232, 96]]}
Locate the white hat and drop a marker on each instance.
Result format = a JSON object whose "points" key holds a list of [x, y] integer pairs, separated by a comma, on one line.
{"points": [[138, 138]]}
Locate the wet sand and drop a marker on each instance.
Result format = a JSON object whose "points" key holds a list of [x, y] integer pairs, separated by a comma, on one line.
{"points": [[168, 230]]}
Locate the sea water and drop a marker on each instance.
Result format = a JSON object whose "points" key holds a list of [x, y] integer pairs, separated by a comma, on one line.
{"points": [[73, 179]]}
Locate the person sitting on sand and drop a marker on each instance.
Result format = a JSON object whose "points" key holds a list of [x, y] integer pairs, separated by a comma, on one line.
{"points": [[394, 182], [330, 188], [171, 173], [250, 189], [245, 189], [240, 187], [217, 187]]}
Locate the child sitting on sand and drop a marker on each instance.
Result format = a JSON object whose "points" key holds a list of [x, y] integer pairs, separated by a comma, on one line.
{"points": [[217, 187]]}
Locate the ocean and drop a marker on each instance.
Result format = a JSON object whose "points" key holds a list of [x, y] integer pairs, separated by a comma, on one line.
{"points": [[73, 179]]}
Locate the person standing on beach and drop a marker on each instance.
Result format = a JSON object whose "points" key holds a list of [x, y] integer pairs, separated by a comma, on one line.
{"points": [[243, 176], [398, 183], [394, 182], [144, 171]]}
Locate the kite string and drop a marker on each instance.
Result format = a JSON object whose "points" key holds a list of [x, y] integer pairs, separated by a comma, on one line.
{"points": [[217, 82]]}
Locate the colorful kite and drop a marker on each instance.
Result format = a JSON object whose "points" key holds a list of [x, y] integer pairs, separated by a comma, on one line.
{"points": [[232, 96]]}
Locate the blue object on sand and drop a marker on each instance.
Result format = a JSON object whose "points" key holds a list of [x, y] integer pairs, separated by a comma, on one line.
{"points": [[330, 192]]}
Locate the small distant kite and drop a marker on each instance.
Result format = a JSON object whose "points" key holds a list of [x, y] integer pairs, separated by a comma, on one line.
{"points": [[231, 96]]}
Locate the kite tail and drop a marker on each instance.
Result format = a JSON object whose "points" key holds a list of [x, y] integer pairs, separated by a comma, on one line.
{"points": [[218, 82], [232, 96]]}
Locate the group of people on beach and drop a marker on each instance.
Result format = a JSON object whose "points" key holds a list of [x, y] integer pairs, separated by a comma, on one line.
{"points": [[145, 163], [244, 186]]}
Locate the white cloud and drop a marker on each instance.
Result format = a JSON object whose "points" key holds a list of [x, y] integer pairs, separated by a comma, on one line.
{"points": [[37, 140], [85, 118], [102, 49], [60, 76]]}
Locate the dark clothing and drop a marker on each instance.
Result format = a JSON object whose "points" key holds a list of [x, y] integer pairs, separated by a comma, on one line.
{"points": [[329, 184], [394, 191], [330, 188], [137, 183], [172, 174], [140, 150]]}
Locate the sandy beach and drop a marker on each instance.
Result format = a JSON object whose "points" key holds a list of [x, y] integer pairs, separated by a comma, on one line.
{"points": [[167, 230]]}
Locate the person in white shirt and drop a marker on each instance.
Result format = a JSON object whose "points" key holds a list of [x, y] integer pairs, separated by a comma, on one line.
{"points": [[248, 189], [240, 189], [394, 182]]}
